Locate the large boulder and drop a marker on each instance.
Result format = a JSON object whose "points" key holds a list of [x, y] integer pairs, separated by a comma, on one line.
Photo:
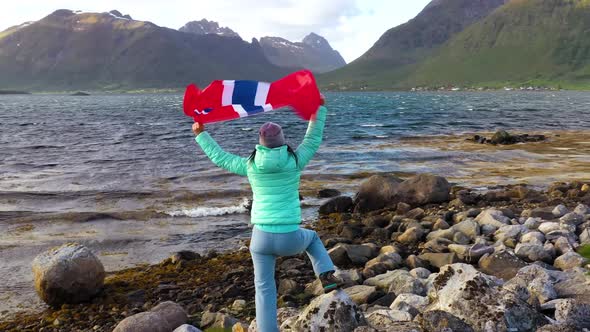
{"points": [[165, 317], [376, 192], [67, 274], [479, 301], [332, 312], [424, 189]]}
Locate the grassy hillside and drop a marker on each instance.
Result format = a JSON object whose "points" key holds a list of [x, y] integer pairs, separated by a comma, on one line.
{"points": [[70, 51], [395, 55], [526, 42]]}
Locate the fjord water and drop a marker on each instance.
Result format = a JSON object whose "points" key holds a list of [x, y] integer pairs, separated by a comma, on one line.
{"points": [[123, 175]]}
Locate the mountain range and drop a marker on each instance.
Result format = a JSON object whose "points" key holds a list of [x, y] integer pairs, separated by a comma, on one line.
{"points": [[70, 50], [450, 43], [483, 43]]}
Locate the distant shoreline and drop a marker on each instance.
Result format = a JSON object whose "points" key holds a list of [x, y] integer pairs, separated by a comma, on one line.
{"points": [[14, 92], [324, 89]]}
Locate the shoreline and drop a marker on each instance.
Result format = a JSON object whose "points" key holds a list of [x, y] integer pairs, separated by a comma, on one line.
{"points": [[213, 281]]}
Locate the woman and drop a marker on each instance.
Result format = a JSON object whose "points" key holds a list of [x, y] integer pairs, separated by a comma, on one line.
{"points": [[274, 171]]}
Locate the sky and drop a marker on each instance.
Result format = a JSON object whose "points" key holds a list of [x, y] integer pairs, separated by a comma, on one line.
{"points": [[351, 26]]}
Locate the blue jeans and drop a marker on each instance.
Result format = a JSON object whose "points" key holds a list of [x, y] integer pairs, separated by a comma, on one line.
{"points": [[265, 248]]}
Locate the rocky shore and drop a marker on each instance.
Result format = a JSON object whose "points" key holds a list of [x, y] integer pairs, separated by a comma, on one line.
{"points": [[415, 254]]}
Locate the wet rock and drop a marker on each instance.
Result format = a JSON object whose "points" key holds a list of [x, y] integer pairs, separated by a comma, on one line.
{"points": [[217, 320], [338, 204], [332, 312], [502, 137], [477, 299], [424, 189], [570, 260], [411, 303], [184, 255], [382, 264], [375, 193], [383, 319], [164, 317], [67, 274], [328, 193], [442, 321], [376, 221], [439, 259], [186, 328], [362, 294], [573, 312], [492, 217]]}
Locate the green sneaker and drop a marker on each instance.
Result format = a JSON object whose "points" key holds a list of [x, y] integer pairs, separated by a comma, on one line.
{"points": [[330, 282]]}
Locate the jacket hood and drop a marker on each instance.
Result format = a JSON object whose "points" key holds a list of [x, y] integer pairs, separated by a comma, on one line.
{"points": [[271, 160]]}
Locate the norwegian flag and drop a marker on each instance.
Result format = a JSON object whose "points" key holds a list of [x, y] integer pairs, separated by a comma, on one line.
{"points": [[228, 100]]}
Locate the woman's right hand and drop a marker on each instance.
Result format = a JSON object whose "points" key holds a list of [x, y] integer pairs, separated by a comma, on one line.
{"points": [[198, 128], [322, 99]]}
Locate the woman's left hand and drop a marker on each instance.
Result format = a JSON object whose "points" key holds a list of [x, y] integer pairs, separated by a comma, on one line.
{"points": [[198, 128]]}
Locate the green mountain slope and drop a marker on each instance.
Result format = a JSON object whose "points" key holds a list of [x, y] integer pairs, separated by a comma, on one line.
{"points": [[72, 51], [396, 53], [526, 42]]}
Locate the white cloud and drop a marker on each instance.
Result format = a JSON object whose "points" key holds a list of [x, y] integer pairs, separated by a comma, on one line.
{"points": [[351, 26]]}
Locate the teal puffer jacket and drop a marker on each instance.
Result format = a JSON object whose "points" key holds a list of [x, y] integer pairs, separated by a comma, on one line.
{"points": [[274, 176]]}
